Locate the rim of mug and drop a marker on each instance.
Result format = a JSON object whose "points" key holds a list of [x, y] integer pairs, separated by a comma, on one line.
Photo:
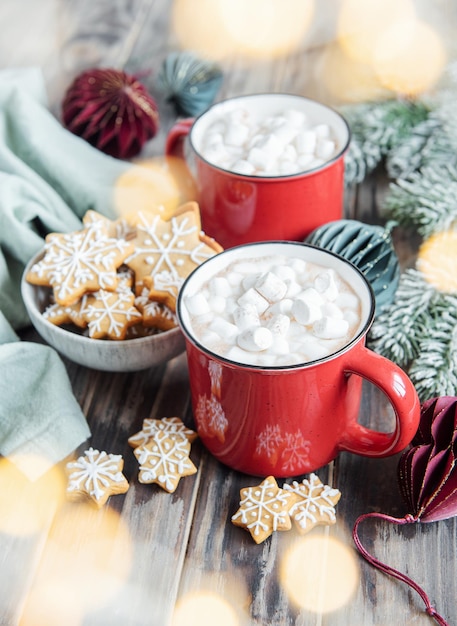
{"points": [[364, 326], [272, 179]]}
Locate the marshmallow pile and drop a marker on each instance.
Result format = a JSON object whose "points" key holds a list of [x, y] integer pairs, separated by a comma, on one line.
{"points": [[274, 311], [278, 145]]}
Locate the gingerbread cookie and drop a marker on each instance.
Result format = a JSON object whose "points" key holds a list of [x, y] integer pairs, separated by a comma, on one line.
{"points": [[109, 314], [79, 262], [155, 314], [119, 229], [315, 505], [169, 425], [264, 509], [96, 475], [164, 459], [166, 251]]}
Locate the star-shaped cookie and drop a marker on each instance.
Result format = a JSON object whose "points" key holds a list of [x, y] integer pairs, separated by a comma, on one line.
{"points": [[110, 314], [96, 475], [168, 425], [264, 509], [79, 262], [166, 251], [164, 460], [315, 503]]}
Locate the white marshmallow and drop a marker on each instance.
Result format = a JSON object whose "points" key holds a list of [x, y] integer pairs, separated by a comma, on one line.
{"points": [[293, 289], [305, 142], [313, 351], [283, 306], [347, 300], [217, 304], [295, 117], [330, 328], [251, 296], [255, 339], [288, 167], [278, 324], [241, 166], [197, 304], [224, 329], [284, 272], [325, 284], [220, 286], [249, 281], [330, 309], [246, 316], [259, 159], [236, 134], [322, 130], [234, 279], [351, 317], [285, 133], [237, 354], [280, 345], [305, 160], [271, 287], [325, 149], [306, 312], [298, 265]]}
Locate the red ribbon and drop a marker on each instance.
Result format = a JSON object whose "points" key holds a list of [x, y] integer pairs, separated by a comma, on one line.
{"points": [[408, 519]]}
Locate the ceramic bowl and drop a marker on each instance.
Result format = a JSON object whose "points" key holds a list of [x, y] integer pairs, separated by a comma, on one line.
{"points": [[102, 354]]}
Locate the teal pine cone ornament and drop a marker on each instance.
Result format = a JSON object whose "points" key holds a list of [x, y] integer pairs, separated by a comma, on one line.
{"points": [[190, 83], [368, 247]]}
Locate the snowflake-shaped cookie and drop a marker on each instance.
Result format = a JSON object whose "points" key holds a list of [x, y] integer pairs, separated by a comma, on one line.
{"points": [[78, 262], [96, 475], [164, 460], [155, 314], [166, 251], [168, 425], [315, 505], [264, 509], [120, 228], [109, 314]]}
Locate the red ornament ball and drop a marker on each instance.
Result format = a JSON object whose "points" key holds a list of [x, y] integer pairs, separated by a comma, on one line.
{"points": [[111, 110]]}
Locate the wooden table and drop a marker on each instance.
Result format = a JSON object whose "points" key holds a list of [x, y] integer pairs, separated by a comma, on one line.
{"points": [[148, 551]]}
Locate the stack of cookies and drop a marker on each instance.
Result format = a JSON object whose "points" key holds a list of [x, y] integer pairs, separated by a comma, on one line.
{"points": [[120, 279]]}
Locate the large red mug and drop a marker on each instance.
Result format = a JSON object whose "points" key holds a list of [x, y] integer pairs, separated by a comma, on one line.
{"points": [[290, 420], [238, 208]]}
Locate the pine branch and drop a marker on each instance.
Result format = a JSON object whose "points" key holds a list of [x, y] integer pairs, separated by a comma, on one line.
{"points": [[398, 331], [434, 371], [426, 200], [376, 128]]}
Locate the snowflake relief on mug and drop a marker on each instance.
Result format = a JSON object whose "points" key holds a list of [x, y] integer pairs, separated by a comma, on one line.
{"points": [[209, 413], [215, 374], [292, 449]]}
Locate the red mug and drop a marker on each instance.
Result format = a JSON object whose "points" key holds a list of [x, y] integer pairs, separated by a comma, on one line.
{"points": [[290, 420], [238, 208]]}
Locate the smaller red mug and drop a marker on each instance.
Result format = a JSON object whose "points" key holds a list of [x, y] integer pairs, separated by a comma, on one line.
{"points": [[237, 208], [290, 420]]}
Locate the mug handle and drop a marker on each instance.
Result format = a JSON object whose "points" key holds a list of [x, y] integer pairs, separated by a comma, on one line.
{"points": [[400, 391], [174, 145]]}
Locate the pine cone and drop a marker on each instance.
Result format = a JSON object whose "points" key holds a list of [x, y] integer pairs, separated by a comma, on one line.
{"points": [[111, 110]]}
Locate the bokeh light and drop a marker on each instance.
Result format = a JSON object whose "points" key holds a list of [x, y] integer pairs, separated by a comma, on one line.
{"points": [[28, 506], [437, 260], [158, 184], [86, 561], [360, 23], [319, 573], [409, 57], [347, 80], [204, 608], [253, 29]]}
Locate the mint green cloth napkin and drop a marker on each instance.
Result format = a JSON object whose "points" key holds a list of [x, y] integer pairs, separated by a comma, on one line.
{"points": [[48, 179]]}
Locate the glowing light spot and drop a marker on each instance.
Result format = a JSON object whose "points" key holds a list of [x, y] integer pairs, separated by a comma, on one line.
{"points": [[257, 29], [204, 608], [437, 260], [360, 23], [349, 80], [319, 573], [80, 564], [409, 57], [28, 506], [157, 184]]}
